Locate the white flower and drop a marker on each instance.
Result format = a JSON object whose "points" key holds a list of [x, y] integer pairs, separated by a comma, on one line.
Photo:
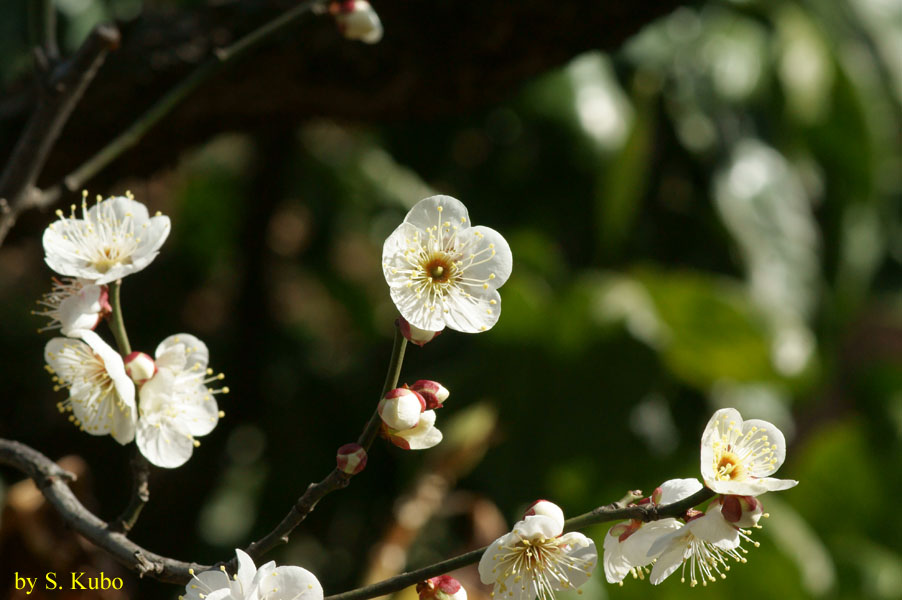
{"points": [[74, 304], [114, 238], [420, 437], [535, 560], [441, 271], [269, 582], [737, 456], [627, 544], [176, 406], [705, 543], [357, 20], [101, 395]]}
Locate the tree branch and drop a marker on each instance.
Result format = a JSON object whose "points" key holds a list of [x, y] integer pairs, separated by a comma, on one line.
{"points": [[140, 469], [207, 70], [62, 90], [337, 479], [437, 58], [51, 480], [612, 512]]}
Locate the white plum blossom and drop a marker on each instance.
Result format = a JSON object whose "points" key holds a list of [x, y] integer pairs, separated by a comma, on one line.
{"points": [[535, 560], [101, 395], [113, 238], [627, 544], [269, 582], [357, 20], [74, 304], [738, 456], [706, 543], [443, 272], [420, 437], [176, 406]]}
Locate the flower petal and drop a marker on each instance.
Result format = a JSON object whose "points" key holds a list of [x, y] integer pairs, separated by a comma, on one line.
{"points": [[675, 490], [426, 214], [163, 443], [289, 583]]}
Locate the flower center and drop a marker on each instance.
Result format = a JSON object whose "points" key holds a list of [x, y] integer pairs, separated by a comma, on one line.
{"points": [[542, 562], [439, 268], [729, 467]]}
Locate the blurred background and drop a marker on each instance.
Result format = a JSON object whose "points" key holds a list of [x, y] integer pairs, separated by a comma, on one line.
{"points": [[708, 216]]}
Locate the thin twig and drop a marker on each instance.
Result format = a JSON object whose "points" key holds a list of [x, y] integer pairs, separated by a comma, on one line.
{"points": [[602, 514], [63, 88], [48, 30], [337, 479], [212, 66], [140, 469]]}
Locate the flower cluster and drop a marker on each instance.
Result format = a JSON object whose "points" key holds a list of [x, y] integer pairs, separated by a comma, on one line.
{"points": [[737, 459], [114, 238], [269, 582]]}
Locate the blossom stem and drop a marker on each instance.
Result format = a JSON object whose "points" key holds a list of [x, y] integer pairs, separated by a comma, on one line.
{"points": [[391, 382], [602, 514], [117, 326]]}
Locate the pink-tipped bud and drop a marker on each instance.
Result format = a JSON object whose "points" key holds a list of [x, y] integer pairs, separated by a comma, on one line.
{"points": [[741, 511], [443, 587], [432, 392], [351, 458], [140, 367], [545, 508], [400, 408], [415, 335], [357, 20]]}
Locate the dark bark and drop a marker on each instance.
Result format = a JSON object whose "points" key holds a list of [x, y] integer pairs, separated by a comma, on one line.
{"points": [[438, 57]]}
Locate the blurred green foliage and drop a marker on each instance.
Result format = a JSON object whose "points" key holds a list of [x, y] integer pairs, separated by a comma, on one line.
{"points": [[709, 217]]}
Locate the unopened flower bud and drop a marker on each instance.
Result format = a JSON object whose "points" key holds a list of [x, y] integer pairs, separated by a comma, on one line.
{"points": [[414, 334], [140, 367], [351, 458], [546, 509], [357, 20], [741, 511], [432, 392], [443, 587], [400, 408]]}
